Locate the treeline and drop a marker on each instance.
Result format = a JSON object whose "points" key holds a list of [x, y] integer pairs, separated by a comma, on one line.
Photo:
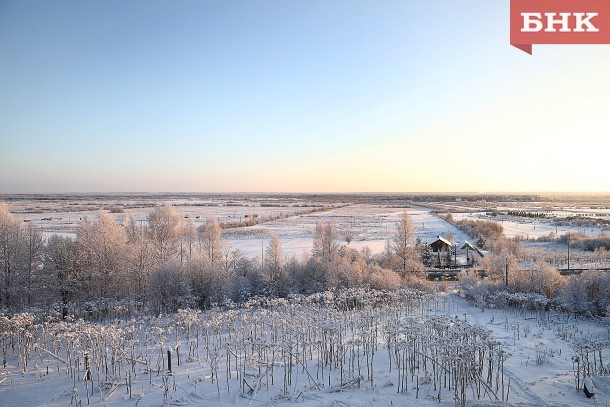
{"points": [[526, 214], [272, 218], [586, 243], [581, 221], [166, 262]]}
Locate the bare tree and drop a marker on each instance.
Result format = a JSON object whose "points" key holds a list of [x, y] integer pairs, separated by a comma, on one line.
{"points": [[84, 249], [31, 258], [210, 233], [164, 231], [404, 240], [500, 265], [141, 254], [274, 263], [230, 258], [110, 254], [166, 286], [187, 240], [9, 249], [61, 269], [325, 241]]}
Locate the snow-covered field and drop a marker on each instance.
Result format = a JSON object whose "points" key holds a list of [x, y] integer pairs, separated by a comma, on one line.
{"points": [[357, 349], [367, 224], [529, 228]]}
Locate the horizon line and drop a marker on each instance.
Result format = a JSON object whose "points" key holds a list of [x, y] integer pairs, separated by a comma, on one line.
{"points": [[304, 192]]}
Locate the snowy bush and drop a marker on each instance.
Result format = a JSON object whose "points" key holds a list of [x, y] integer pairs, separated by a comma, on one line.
{"points": [[167, 286], [588, 293]]}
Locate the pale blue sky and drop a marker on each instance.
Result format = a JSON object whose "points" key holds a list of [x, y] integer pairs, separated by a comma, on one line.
{"points": [[293, 96]]}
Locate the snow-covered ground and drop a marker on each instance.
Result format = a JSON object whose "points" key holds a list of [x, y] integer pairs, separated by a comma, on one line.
{"points": [[368, 225], [538, 349], [530, 228]]}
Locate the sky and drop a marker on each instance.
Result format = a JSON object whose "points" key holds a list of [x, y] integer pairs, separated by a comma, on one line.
{"points": [[294, 96]]}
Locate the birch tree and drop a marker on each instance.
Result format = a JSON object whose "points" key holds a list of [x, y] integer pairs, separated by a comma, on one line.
{"points": [[274, 264], [325, 241], [110, 254], [210, 236], [31, 258], [404, 241], [84, 249], [164, 231], [142, 256], [9, 249], [61, 269], [187, 240]]}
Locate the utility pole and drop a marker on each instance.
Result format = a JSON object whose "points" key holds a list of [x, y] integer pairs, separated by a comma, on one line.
{"points": [[568, 249], [506, 274]]}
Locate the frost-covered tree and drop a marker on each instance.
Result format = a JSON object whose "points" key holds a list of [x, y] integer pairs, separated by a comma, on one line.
{"points": [[84, 251], [588, 293], [188, 238], [274, 265], [247, 281], [387, 259], [496, 264], [142, 255], [210, 237], [541, 278], [167, 287], [427, 256], [9, 250], [403, 242], [367, 254], [325, 241], [110, 255], [164, 232], [230, 258], [450, 236], [30, 260], [62, 270], [209, 283]]}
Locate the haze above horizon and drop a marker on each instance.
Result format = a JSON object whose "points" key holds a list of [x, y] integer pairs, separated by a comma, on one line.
{"points": [[304, 97]]}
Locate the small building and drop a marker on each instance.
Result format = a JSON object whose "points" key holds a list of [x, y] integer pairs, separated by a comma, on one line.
{"points": [[440, 244], [469, 247]]}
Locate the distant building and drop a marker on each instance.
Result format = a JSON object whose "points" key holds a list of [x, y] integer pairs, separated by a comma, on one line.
{"points": [[469, 247], [440, 244]]}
